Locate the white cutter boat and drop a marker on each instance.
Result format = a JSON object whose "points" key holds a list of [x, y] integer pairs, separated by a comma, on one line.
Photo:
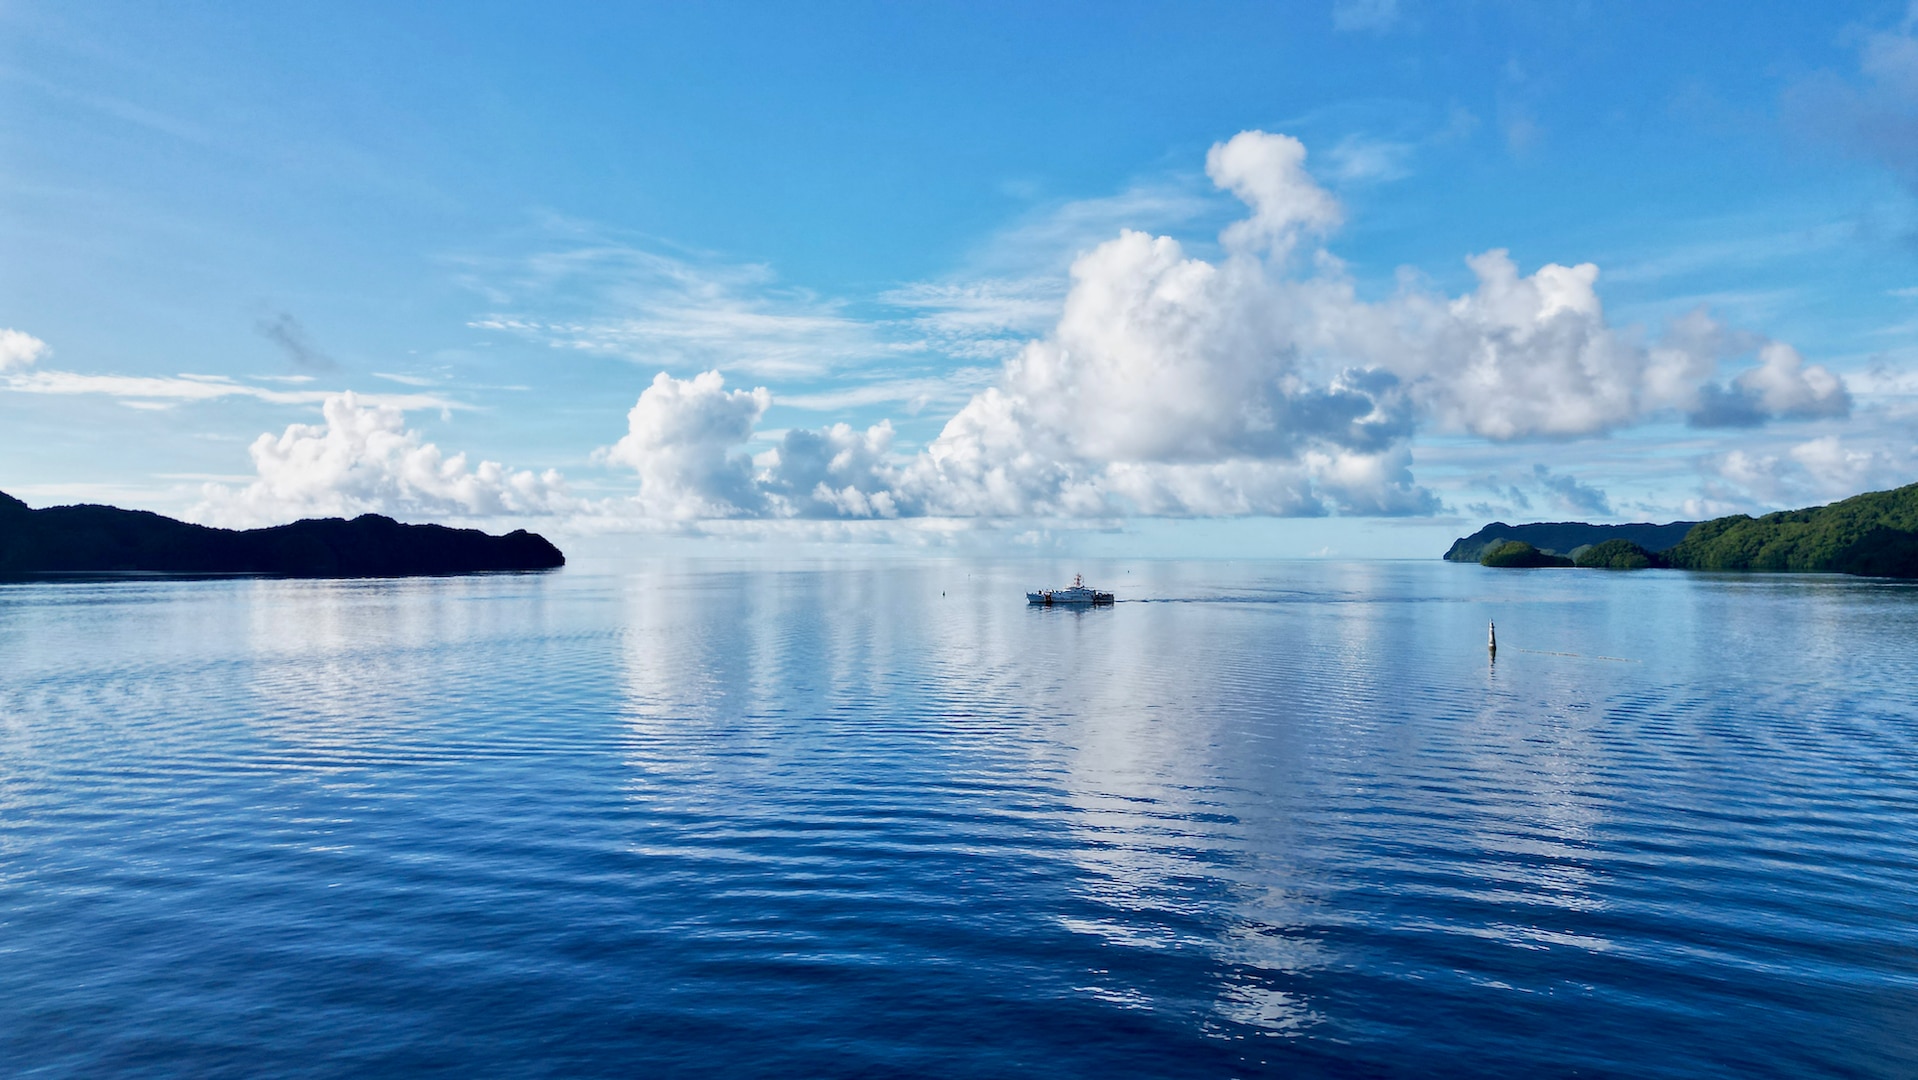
{"points": [[1077, 593]]}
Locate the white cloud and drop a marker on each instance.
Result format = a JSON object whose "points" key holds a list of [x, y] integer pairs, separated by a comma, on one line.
{"points": [[1267, 172], [1167, 387], [837, 472], [1803, 474], [1522, 356], [1518, 357], [364, 460], [403, 380], [1784, 386], [19, 349], [1781, 386], [1042, 243], [1012, 285], [1256, 384], [974, 308], [1533, 356], [1359, 159], [916, 393], [680, 437], [659, 310], [1837, 470], [985, 319], [154, 391]]}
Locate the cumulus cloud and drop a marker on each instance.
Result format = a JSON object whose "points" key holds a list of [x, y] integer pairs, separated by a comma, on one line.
{"points": [[680, 437], [1782, 386], [1524, 357], [1257, 382], [837, 472], [1520, 356], [1267, 173], [363, 459], [19, 349], [1167, 388], [1814, 471]]}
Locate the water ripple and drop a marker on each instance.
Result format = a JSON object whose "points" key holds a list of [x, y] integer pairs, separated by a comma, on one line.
{"points": [[887, 820]]}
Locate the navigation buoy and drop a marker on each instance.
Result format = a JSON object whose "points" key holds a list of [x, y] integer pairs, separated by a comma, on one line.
{"points": [[1491, 641]]}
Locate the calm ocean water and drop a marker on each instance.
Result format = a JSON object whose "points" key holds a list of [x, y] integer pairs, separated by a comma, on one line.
{"points": [[1278, 818]]}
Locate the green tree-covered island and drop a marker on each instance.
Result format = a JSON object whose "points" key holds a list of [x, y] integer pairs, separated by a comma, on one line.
{"points": [[1874, 534]]}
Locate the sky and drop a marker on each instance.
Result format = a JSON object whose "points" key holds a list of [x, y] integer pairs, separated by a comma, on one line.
{"points": [[1339, 278]]}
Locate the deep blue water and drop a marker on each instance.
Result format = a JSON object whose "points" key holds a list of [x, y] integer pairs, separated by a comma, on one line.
{"points": [[1271, 818]]}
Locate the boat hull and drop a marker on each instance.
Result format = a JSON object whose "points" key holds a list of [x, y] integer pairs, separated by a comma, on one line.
{"points": [[1069, 598]]}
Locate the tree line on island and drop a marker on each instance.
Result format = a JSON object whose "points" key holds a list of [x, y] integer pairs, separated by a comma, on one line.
{"points": [[1874, 534], [108, 540]]}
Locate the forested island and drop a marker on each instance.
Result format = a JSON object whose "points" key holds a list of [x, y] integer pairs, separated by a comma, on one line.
{"points": [[1874, 534], [1561, 538], [106, 539]]}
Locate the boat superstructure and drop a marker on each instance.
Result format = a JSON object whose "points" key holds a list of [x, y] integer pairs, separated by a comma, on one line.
{"points": [[1076, 593]]}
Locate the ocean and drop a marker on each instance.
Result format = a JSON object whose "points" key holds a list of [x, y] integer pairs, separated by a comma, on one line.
{"points": [[716, 819]]}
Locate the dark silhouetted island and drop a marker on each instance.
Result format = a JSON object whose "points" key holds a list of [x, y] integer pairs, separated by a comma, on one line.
{"points": [[1871, 535], [106, 539]]}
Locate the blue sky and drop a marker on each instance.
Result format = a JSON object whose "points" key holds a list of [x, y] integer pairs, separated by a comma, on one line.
{"points": [[497, 225]]}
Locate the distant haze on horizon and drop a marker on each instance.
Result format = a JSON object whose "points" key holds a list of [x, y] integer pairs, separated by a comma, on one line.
{"points": [[1344, 279]]}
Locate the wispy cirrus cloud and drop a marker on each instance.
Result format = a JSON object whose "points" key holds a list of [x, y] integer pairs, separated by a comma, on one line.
{"points": [[1009, 287], [584, 290], [405, 380], [158, 391], [1375, 16], [617, 299], [1368, 159], [979, 318], [1045, 239], [916, 393], [1732, 242]]}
